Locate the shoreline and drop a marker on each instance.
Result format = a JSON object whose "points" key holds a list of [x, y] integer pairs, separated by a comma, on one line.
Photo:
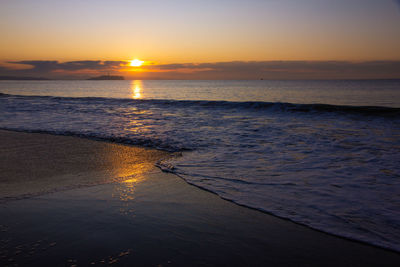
{"points": [[350, 239], [268, 232], [171, 154], [48, 169]]}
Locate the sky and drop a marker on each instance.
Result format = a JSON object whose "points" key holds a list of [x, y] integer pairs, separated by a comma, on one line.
{"points": [[203, 39]]}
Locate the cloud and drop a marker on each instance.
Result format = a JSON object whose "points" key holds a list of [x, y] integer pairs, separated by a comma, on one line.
{"points": [[217, 70], [59, 69], [287, 69]]}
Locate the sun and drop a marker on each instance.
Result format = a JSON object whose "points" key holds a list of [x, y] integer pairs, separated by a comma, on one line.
{"points": [[136, 63]]}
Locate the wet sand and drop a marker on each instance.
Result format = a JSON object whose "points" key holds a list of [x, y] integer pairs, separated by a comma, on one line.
{"points": [[69, 201], [33, 163]]}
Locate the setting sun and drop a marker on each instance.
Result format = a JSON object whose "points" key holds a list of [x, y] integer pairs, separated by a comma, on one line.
{"points": [[136, 63]]}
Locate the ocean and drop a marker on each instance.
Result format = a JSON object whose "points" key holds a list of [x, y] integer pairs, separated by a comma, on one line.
{"points": [[325, 154]]}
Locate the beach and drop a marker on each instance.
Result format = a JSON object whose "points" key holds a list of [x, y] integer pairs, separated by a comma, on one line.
{"points": [[200, 133], [69, 201], [331, 166]]}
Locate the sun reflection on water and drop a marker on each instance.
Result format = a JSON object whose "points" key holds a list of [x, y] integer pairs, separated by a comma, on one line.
{"points": [[136, 86], [125, 189], [127, 168], [130, 177]]}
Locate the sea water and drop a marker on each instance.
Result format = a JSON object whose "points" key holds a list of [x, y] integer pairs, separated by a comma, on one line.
{"points": [[325, 154]]}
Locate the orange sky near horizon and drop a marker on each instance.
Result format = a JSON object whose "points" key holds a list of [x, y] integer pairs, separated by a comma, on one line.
{"points": [[178, 31], [211, 31]]}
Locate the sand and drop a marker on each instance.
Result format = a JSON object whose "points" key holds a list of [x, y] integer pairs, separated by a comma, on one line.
{"points": [[69, 201], [33, 163]]}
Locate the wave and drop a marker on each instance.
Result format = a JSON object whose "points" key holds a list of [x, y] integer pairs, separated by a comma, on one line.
{"points": [[249, 105]]}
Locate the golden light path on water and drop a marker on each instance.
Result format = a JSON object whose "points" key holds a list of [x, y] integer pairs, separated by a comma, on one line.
{"points": [[136, 87], [125, 187], [134, 171]]}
